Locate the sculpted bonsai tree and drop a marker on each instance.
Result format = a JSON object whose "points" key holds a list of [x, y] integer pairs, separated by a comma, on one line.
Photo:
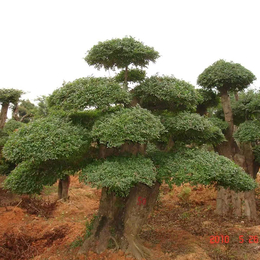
{"points": [[121, 54], [7, 97], [226, 78], [131, 151], [130, 174]]}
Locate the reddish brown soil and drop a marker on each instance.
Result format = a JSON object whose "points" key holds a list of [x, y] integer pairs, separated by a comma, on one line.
{"points": [[179, 228]]}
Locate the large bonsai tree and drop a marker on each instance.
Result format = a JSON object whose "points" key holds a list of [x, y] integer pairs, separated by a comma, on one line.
{"points": [[127, 151], [227, 78]]}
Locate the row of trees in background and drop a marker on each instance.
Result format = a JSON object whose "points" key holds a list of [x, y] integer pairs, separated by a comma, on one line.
{"points": [[128, 142]]}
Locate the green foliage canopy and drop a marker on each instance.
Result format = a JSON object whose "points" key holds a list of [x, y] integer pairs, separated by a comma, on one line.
{"points": [[132, 124], [209, 99], [133, 75], [167, 93], [226, 76], [45, 139], [192, 128], [198, 166], [29, 178], [11, 125], [119, 174], [247, 107], [120, 53], [6, 166], [82, 93], [194, 166], [10, 95], [248, 131], [221, 124]]}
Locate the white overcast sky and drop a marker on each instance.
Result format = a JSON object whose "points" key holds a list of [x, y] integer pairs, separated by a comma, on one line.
{"points": [[43, 43]]}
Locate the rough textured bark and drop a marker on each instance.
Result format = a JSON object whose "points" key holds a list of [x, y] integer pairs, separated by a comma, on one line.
{"points": [[3, 115], [120, 220], [15, 112], [126, 77], [236, 96], [63, 188], [230, 144], [230, 203]]}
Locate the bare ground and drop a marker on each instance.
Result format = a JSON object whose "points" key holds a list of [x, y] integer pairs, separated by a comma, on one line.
{"points": [[180, 226]]}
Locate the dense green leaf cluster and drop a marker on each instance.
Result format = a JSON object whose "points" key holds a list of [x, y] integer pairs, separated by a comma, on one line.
{"points": [[209, 99], [133, 75], [202, 167], [10, 95], [192, 128], [227, 76], [11, 125], [42, 107], [86, 118], [247, 107], [29, 178], [167, 93], [223, 125], [119, 174], [248, 131], [120, 53], [193, 166], [45, 139], [3, 138], [88, 92], [49, 148], [133, 124], [6, 166]]}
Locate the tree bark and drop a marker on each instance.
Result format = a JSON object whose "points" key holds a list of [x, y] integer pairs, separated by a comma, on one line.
{"points": [[3, 115], [231, 143], [230, 203], [238, 204], [120, 220], [126, 77], [15, 112], [63, 188], [236, 96]]}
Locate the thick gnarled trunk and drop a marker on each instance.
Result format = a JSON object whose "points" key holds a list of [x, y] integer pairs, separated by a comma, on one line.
{"points": [[3, 115], [63, 188], [120, 220], [238, 204], [230, 203]]}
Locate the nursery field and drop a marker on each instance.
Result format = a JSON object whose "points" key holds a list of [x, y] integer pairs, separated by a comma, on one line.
{"points": [[182, 226]]}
